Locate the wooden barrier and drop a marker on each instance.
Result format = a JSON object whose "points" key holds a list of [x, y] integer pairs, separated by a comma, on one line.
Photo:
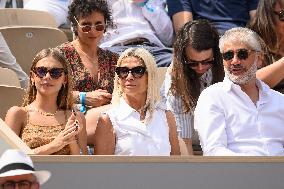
{"points": [[182, 172], [8, 139]]}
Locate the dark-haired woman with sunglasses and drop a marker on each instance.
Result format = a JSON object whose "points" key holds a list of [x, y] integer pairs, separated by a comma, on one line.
{"points": [[197, 63], [45, 122], [136, 124], [268, 23], [92, 67]]}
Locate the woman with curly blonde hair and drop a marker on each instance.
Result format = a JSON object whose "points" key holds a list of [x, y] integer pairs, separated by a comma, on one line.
{"points": [[45, 122], [137, 124]]}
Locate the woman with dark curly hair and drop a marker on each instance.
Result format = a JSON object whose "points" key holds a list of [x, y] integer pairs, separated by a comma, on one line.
{"points": [[269, 24], [197, 63], [92, 67]]}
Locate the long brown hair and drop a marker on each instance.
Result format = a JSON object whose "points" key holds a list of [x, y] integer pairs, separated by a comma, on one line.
{"points": [[64, 98], [263, 24], [200, 35]]}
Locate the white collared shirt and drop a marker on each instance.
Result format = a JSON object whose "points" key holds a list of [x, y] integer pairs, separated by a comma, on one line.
{"points": [[134, 138], [135, 22], [229, 123]]}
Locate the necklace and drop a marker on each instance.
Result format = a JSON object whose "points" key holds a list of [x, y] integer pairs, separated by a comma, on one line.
{"points": [[44, 113], [92, 60], [93, 66]]}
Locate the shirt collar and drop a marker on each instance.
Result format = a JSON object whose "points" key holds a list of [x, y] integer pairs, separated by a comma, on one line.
{"points": [[124, 110], [229, 85]]}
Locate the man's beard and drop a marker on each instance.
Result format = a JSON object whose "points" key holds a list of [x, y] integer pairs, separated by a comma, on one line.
{"points": [[245, 77]]}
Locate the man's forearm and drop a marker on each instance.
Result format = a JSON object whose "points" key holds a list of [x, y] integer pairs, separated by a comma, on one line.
{"points": [[180, 18]]}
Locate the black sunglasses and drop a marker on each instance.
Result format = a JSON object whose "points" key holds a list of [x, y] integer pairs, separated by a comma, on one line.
{"points": [[23, 184], [123, 72], [88, 28], [194, 64], [54, 73], [242, 54], [280, 15]]}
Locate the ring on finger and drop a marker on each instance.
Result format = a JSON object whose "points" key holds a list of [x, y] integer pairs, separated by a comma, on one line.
{"points": [[76, 124]]}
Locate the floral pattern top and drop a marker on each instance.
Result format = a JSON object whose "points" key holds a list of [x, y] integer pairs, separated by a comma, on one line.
{"points": [[82, 79]]}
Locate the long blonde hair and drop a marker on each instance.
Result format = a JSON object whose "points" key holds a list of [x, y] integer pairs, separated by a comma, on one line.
{"points": [[152, 88], [64, 98]]}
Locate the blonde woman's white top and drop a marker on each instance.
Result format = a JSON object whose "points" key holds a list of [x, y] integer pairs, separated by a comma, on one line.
{"points": [[134, 137]]}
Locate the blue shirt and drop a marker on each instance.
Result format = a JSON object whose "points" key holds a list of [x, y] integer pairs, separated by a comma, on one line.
{"points": [[224, 14]]}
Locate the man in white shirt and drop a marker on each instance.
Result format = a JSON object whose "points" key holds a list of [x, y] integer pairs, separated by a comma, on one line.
{"points": [[143, 23], [241, 115]]}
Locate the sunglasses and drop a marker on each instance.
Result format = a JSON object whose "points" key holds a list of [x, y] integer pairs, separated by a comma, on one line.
{"points": [[23, 184], [123, 72], [88, 28], [54, 73], [194, 64], [280, 14], [242, 54]]}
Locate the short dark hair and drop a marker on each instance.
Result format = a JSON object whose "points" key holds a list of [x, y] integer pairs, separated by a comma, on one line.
{"points": [[83, 8]]}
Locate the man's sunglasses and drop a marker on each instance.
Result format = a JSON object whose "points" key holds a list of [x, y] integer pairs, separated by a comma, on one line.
{"points": [[54, 73], [23, 184], [88, 28], [280, 15], [242, 54], [123, 72], [194, 64]]}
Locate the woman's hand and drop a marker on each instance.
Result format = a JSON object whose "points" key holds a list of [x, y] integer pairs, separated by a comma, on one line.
{"points": [[67, 136], [80, 144], [98, 98]]}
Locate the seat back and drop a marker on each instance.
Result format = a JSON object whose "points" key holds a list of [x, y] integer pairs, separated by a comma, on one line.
{"points": [[161, 75], [10, 96], [9, 77], [182, 147], [25, 17], [26, 41]]}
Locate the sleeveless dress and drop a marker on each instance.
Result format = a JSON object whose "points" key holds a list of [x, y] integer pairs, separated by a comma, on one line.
{"points": [[134, 137], [37, 135]]}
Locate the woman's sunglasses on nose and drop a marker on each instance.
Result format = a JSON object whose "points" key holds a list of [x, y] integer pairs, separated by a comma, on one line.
{"points": [[280, 14], [54, 73], [242, 54], [194, 64], [123, 72], [88, 28]]}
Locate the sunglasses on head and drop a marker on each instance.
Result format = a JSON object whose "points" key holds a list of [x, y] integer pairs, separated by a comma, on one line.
{"points": [[242, 54], [54, 73], [88, 28], [137, 72], [280, 15], [194, 64]]}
